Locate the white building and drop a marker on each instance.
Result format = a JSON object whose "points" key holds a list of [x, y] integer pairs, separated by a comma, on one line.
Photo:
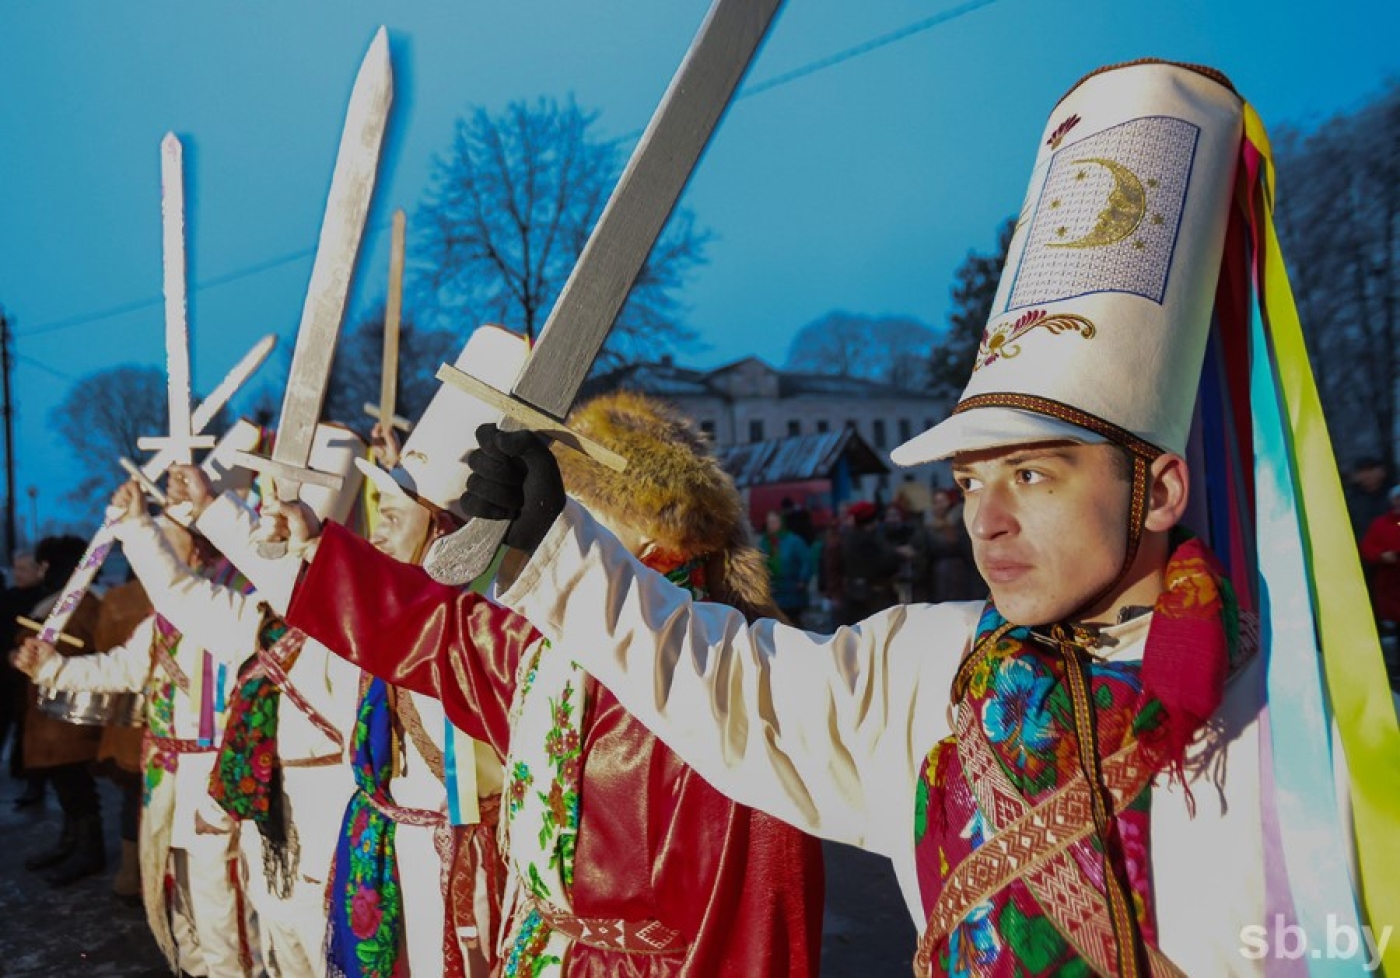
{"points": [[750, 401]]}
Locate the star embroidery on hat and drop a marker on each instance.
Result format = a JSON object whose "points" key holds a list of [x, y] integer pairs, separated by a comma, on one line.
{"points": [[999, 341]]}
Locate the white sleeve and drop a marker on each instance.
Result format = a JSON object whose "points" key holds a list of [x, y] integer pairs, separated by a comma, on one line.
{"points": [[819, 731], [218, 618], [228, 523], [122, 669]]}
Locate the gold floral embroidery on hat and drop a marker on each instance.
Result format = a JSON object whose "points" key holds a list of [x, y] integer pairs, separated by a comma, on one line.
{"points": [[999, 341]]}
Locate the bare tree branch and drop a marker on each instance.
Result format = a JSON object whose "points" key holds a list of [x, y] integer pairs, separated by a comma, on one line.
{"points": [[507, 214]]}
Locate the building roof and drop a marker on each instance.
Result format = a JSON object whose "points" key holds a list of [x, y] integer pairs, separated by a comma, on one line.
{"points": [[799, 458], [665, 379]]}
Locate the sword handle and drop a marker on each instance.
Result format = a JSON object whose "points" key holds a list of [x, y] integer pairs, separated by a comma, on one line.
{"points": [[284, 490], [271, 549], [466, 554]]}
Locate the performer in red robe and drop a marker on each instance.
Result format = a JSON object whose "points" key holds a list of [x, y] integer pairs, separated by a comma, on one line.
{"points": [[624, 862]]}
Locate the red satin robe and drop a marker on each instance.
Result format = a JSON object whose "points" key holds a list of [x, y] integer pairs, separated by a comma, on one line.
{"points": [[655, 841]]}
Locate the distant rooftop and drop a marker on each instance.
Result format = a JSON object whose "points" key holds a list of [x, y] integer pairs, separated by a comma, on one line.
{"points": [[800, 458], [664, 378]]}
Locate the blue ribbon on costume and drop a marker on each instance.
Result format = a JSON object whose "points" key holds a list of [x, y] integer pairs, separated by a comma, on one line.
{"points": [[449, 766], [1312, 827]]}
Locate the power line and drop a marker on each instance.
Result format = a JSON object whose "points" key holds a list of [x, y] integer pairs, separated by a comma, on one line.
{"points": [[811, 68], [45, 367], [147, 303]]}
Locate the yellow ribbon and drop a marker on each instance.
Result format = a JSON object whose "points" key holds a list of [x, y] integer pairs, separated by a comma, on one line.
{"points": [[1356, 679]]}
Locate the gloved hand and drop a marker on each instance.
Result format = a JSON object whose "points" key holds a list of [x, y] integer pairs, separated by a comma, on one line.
{"points": [[514, 477]]}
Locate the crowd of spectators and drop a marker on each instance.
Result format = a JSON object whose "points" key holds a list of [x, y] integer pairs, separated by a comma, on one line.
{"points": [[869, 556]]}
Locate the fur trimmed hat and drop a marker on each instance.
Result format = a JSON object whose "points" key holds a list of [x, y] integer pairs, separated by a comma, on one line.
{"points": [[674, 492]]}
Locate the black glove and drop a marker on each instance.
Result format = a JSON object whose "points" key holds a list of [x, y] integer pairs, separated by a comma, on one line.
{"points": [[514, 477]]}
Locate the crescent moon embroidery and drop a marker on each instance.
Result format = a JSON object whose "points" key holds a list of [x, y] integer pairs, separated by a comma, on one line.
{"points": [[1122, 213]]}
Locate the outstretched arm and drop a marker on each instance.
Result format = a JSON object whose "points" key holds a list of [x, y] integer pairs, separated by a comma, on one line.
{"points": [[218, 618], [397, 623], [821, 731], [118, 670], [229, 524]]}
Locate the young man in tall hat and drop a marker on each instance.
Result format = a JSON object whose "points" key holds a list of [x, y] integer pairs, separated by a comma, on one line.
{"points": [[1078, 775], [622, 859]]}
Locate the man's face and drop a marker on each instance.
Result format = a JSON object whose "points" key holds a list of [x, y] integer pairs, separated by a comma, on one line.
{"points": [[26, 572], [402, 527], [1049, 524]]}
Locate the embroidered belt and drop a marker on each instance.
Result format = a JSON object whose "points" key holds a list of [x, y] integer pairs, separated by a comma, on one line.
{"points": [[318, 760], [400, 814], [160, 652], [612, 933], [174, 745], [462, 856], [476, 854]]}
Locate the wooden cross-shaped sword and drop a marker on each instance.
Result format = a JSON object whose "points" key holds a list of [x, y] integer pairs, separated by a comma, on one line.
{"points": [[618, 246], [347, 205], [383, 412], [182, 440]]}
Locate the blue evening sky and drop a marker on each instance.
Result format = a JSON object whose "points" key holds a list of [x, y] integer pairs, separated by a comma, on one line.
{"points": [[858, 186]]}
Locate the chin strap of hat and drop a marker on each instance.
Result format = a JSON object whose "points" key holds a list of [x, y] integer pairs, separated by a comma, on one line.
{"points": [[1071, 643]]}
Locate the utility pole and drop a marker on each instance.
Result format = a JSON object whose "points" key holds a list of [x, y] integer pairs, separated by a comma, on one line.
{"points": [[8, 410]]}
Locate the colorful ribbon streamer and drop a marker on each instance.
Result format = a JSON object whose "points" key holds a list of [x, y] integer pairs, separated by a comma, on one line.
{"points": [[1356, 682]]}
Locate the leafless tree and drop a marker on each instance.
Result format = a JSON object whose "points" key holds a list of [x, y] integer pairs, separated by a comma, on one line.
{"points": [[1339, 216], [358, 365], [974, 291], [888, 349], [101, 418], [507, 214]]}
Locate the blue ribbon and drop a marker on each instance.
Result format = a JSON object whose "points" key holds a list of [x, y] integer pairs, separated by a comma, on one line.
{"points": [[1311, 825]]}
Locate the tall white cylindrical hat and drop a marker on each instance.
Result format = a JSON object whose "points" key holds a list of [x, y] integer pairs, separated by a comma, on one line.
{"points": [[1099, 325], [432, 465]]}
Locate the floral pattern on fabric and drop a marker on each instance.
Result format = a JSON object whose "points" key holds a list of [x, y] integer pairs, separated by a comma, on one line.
{"points": [[160, 716], [1015, 696], [244, 774], [160, 720], [1021, 702], [365, 933], [247, 777], [543, 788], [542, 809]]}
